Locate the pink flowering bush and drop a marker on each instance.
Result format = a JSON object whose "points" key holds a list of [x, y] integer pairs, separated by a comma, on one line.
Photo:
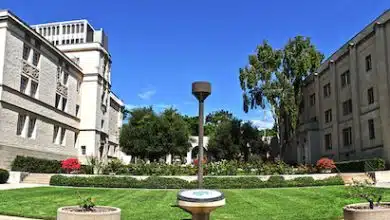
{"points": [[70, 164], [325, 163]]}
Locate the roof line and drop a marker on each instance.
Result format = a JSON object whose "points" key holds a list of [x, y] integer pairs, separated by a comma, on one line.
{"points": [[11, 15]]}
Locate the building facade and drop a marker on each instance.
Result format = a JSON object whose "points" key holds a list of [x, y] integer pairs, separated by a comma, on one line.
{"points": [[55, 92], [346, 111]]}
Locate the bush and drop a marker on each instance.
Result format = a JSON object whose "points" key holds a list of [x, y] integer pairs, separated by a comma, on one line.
{"points": [[155, 182], [115, 166], [70, 165], [361, 165], [4, 175], [176, 183], [325, 163], [35, 165]]}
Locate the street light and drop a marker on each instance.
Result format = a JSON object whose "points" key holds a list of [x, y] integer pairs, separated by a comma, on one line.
{"points": [[201, 90]]}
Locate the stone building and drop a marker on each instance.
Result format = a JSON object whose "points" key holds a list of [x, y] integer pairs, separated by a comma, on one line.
{"points": [[55, 92], [346, 111]]}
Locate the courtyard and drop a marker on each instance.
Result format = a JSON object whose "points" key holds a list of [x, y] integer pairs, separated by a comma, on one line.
{"points": [[284, 203]]}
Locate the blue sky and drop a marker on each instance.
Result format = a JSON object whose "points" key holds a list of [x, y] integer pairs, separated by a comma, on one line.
{"points": [[159, 47]]}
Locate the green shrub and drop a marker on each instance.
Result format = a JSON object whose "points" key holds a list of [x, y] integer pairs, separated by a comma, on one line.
{"points": [[4, 175], [361, 165], [303, 181], [95, 181], [155, 182], [115, 166], [233, 183], [35, 165]]}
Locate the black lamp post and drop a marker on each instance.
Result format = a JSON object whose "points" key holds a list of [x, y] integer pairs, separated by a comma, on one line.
{"points": [[201, 90]]}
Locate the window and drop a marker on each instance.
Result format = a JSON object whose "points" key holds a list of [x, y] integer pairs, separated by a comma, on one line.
{"points": [[26, 52], [68, 29], [53, 30], [23, 84], [65, 78], [368, 63], [36, 57], [78, 86], [20, 126], [76, 135], [328, 141], [63, 41], [58, 98], [33, 89], [347, 136], [345, 79], [72, 41], [81, 27], [347, 107], [370, 95], [62, 140], [371, 129], [327, 90], [64, 100], [48, 31], [67, 41], [55, 134], [31, 127], [83, 150], [77, 28], [77, 41], [102, 123], [312, 99], [58, 30], [328, 116], [81, 40], [77, 110], [63, 29], [44, 31]]}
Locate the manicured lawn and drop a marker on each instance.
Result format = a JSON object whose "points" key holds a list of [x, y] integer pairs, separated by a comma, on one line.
{"points": [[267, 204]]}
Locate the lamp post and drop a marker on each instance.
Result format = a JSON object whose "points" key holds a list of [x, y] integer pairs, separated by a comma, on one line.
{"points": [[201, 90]]}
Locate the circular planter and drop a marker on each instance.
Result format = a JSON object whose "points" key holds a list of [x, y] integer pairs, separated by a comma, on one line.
{"points": [[361, 211], [326, 170], [100, 213]]}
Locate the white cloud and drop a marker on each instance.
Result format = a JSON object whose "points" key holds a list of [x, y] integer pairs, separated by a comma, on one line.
{"points": [[262, 124], [147, 94]]}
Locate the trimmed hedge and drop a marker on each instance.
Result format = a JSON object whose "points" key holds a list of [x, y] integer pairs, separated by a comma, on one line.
{"points": [[35, 165], [155, 182], [361, 165], [4, 175]]}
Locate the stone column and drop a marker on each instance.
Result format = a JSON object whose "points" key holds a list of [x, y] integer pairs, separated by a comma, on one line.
{"points": [[335, 110], [168, 159], [189, 156], [354, 74], [380, 61]]}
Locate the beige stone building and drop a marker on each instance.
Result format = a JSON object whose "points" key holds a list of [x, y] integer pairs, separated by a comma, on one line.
{"points": [[346, 112], [55, 92]]}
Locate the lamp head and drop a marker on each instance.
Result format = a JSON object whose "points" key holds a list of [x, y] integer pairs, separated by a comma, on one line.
{"points": [[201, 90]]}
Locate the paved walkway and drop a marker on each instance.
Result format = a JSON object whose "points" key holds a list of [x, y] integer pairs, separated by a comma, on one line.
{"points": [[19, 186], [3, 217]]}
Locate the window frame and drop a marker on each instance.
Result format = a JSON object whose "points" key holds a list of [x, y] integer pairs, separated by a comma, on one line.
{"points": [[328, 141], [347, 137], [368, 62], [371, 129]]}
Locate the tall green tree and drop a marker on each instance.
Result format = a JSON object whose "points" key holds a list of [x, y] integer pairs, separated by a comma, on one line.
{"points": [[152, 136], [173, 133], [276, 76], [223, 144]]}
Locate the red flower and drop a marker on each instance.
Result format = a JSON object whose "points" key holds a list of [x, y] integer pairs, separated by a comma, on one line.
{"points": [[203, 162], [70, 164], [325, 163]]}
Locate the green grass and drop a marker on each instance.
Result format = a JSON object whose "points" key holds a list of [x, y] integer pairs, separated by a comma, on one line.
{"points": [[247, 204]]}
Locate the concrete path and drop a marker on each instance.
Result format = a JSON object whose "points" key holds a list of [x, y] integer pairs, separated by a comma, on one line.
{"points": [[3, 217], [19, 186], [383, 185]]}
